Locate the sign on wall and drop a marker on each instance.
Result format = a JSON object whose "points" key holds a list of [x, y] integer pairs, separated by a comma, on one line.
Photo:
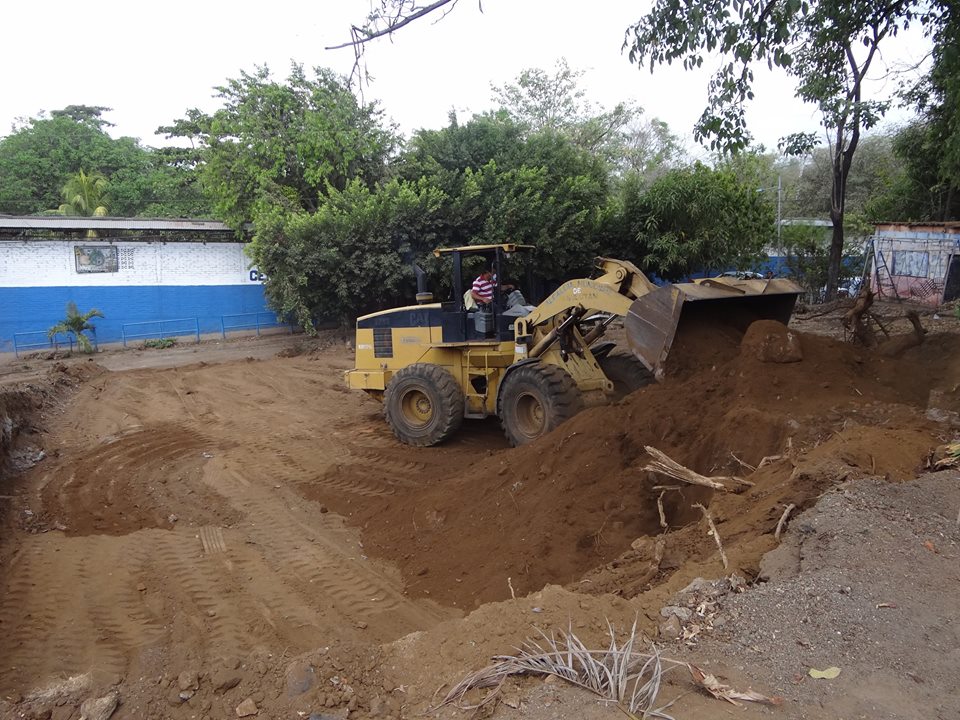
{"points": [[96, 259]]}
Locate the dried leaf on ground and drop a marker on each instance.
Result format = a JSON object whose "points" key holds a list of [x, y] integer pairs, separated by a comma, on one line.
{"points": [[724, 692], [829, 674]]}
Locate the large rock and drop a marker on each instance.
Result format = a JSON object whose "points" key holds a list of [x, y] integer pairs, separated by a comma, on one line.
{"points": [[99, 708]]}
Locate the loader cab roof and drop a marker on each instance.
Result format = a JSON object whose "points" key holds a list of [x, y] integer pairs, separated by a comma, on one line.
{"points": [[484, 249]]}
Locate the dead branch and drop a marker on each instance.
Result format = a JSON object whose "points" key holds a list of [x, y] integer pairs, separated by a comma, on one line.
{"points": [[898, 344], [713, 531], [769, 459], [361, 36], [856, 319], [745, 465], [664, 465], [663, 517], [783, 520]]}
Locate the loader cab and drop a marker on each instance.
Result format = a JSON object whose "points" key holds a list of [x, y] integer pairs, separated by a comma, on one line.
{"points": [[463, 324]]}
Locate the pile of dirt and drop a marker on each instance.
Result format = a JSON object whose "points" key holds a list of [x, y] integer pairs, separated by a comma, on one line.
{"points": [[574, 501], [21, 404]]}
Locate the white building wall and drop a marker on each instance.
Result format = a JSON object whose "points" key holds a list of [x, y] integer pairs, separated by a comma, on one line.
{"points": [[52, 263]]}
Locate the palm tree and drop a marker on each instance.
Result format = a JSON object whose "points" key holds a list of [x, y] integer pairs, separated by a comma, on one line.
{"points": [[85, 195], [75, 324]]}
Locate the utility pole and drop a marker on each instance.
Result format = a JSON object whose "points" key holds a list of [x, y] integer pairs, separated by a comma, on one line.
{"points": [[779, 209]]}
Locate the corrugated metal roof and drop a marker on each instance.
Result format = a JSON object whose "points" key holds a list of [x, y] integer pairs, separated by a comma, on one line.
{"points": [[949, 225], [65, 222]]}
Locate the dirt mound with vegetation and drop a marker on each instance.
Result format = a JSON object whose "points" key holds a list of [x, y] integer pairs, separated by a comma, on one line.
{"points": [[576, 500]]}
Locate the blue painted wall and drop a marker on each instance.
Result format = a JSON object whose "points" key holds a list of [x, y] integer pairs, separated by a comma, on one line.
{"points": [[27, 309]]}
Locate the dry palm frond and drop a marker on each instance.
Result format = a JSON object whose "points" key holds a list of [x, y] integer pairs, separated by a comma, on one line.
{"points": [[665, 465], [617, 673]]}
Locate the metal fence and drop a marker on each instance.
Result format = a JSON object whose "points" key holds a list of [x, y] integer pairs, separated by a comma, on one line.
{"points": [[41, 340], [249, 321], [160, 329]]}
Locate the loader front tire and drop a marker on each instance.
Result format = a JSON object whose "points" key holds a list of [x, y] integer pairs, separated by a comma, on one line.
{"points": [[535, 399], [626, 373], [423, 404]]}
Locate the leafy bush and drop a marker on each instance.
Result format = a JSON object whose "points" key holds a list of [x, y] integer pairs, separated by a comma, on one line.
{"points": [[159, 343]]}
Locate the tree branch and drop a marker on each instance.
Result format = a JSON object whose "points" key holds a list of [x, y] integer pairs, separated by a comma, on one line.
{"points": [[362, 36]]}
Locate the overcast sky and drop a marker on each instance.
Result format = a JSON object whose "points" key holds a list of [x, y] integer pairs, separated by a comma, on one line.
{"points": [[151, 62]]}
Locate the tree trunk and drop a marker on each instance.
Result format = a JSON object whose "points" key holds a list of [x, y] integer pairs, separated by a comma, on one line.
{"points": [[835, 258]]}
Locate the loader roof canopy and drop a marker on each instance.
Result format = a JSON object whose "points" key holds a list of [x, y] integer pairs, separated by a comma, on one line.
{"points": [[506, 247]]}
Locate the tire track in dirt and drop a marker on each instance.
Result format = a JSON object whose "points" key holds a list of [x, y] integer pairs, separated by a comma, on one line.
{"points": [[127, 484], [306, 559], [70, 605], [197, 585]]}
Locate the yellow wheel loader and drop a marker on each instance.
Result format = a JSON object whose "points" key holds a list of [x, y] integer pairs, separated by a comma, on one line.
{"points": [[435, 363]]}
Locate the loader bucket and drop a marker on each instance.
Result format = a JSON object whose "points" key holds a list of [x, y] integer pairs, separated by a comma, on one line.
{"points": [[651, 322]]}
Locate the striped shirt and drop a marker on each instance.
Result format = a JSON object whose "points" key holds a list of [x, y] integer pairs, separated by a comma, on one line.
{"points": [[483, 290]]}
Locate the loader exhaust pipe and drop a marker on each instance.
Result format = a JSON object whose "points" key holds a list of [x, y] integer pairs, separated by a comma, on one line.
{"points": [[424, 296]]}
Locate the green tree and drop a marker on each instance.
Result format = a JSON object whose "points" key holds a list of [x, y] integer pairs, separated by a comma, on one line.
{"points": [[502, 183], [76, 324], [85, 195], [621, 136], [41, 155], [694, 219], [928, 149], [828, 46], [349, 256], [284, 144]]}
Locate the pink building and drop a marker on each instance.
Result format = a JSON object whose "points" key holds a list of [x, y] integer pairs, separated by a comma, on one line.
{"points": [[919, 262]]}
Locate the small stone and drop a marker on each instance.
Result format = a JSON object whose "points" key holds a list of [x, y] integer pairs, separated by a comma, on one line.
{"points": [[324, 509], [172, 518], [188, 680], [186, 694], [224, 679], [300, 678], [670, 628], [231, 663], [247, 708], [99, 708], [173, 698], [141, 587], [682, 613], [361, 625]]}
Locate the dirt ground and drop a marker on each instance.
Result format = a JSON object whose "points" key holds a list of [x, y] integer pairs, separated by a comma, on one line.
{"points": [[225, 529]]}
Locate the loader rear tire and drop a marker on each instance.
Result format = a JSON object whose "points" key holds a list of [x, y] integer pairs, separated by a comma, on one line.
{"points": [[534, 400], [626, 372], [423, 404]]}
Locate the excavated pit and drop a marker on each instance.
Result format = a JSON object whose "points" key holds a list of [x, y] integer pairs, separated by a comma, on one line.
{"points": [[571, 504]]}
